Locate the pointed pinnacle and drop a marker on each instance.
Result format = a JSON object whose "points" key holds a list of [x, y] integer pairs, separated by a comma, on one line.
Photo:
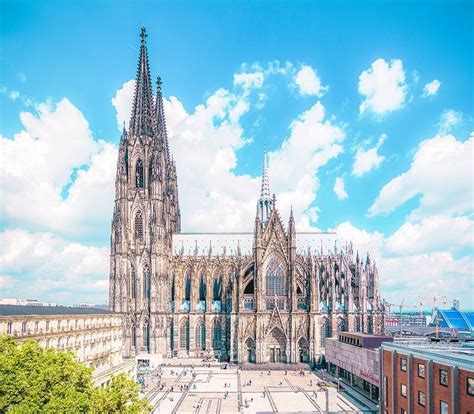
{"points": [[265, 192]]}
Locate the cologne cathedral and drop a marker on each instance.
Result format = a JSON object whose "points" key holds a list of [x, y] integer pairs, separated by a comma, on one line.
{"points": [[268, 296]]}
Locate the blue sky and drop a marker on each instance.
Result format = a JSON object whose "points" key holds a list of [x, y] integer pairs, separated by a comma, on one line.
{"points": [[365, 109]]}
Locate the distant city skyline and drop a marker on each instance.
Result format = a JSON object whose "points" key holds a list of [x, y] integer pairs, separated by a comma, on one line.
{"points": [[365, 110]]}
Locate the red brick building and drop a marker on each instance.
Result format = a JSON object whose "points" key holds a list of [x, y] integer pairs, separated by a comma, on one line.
{"points": [[427, 377]]}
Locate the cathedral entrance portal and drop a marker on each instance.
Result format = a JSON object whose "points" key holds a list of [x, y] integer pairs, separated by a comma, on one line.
{"points": [[276, 347]]}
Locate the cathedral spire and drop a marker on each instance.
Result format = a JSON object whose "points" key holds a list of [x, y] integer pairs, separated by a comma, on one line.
{"points": [[141, 121], [266, 202], [160, 117], [265, 192]]}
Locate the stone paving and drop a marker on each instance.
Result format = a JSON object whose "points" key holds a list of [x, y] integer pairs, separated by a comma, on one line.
{"points": [[211, 389]]}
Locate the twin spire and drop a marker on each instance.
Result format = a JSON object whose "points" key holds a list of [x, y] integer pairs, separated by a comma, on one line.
{"points": [[148, 118], [266, 202]]}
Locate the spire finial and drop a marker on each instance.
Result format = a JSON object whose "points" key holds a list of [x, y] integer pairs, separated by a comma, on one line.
{"points": [[141, 121]]}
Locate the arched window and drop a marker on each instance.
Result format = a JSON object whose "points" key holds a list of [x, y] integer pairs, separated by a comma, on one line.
{"points": [[200, 335], [146, 283], [202, 286], [187, 286], [150, 172], [217, 286], [275, 279], [139, 174], [146, 336], [133, 281], [341, 326], [217, 334], [134, 336], [325, 331], [139, 226], [184, 334]]}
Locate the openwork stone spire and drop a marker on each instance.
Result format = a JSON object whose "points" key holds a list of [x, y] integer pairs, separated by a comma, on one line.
{"points": [[266, 202], [141, 122], [160, 118]]}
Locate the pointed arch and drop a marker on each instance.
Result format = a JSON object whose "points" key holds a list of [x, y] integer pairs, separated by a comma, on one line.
{"points": [[139, 181], [138, 225], [184, 334], [325, 330], [303, 349], [217, 285], [275, 277], [200, 335], [250, 350], [341, 325], [217, 334], [202, 285], [187, 284]]}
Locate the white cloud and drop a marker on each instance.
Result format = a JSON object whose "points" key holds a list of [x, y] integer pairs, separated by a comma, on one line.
{"points": [[441, 173], [435, 233], [55, 176], [42, 265], [431, 88], [123, 103], [448, 119], [253, 80], [366, 160], [14, 95], [308, 82], [339, 189], [383, 87]]}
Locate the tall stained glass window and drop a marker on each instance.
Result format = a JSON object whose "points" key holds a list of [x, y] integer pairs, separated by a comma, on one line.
{"points": [[275, 278]]}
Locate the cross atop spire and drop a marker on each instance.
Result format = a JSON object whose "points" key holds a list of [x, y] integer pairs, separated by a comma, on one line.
{"points": [[141, 121]]}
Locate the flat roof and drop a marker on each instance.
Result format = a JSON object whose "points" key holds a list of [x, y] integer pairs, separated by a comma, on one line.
{"points": [[18, 310], [450, 353], [363, 335]]}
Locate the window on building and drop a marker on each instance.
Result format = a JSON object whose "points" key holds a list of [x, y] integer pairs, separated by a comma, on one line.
{"points": [[403, 390], [217, 335], [325, 331], [146, 283], [443, 407], [275, 280], [403, 411], [200, 335], [187, 285], [139, 174], [443, 377], [36, 326], [202, 288], [9, 328], [134, 283], [47, 326], [421, 370], [59, 325], [403, 364], [75, 324], [421, 398], [23, 327], [470, 386], [217, 286], [139, 226], [184, 335]]}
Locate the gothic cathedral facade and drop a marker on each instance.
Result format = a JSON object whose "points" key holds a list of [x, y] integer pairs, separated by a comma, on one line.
{"points": [[254, 297]]}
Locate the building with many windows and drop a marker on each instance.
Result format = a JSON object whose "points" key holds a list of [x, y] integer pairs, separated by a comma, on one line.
{"points": [[427, 377], [93, 335], [268, 296]]}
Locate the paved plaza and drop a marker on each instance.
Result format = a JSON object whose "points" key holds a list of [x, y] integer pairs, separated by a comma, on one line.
{"points": [[211, 389]]}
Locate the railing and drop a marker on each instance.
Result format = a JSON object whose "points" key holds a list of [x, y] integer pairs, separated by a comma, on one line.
{"points": [[249, 302]]}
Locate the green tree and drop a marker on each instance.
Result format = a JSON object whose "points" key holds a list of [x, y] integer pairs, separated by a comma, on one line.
{"points": [[34, 379]]}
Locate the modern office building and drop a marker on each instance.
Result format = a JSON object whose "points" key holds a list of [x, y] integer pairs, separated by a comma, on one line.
{"points": [[355, 358], [427, 377]]}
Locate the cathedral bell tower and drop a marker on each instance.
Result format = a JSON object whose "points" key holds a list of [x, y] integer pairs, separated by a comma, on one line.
{"points": [[146, 215]]}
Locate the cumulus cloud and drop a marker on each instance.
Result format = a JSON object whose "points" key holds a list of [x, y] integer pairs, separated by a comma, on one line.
{"points": [[308, 83], [14, 95], [54, 172], [249, 80], [123, 102], [448, 119], [339, 189], [367, 160], [431, 88], [48, 266], [432, 234], [383, 87], [441, 173]]}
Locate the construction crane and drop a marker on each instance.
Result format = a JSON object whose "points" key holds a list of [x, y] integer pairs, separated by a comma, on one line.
{"points": [[435, 299], [400, 307]]}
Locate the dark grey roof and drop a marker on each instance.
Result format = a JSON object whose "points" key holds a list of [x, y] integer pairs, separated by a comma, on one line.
{"points": [[18, 310]]}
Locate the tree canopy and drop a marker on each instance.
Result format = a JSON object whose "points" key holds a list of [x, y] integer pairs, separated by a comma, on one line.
{"points": [[34, 379]]}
